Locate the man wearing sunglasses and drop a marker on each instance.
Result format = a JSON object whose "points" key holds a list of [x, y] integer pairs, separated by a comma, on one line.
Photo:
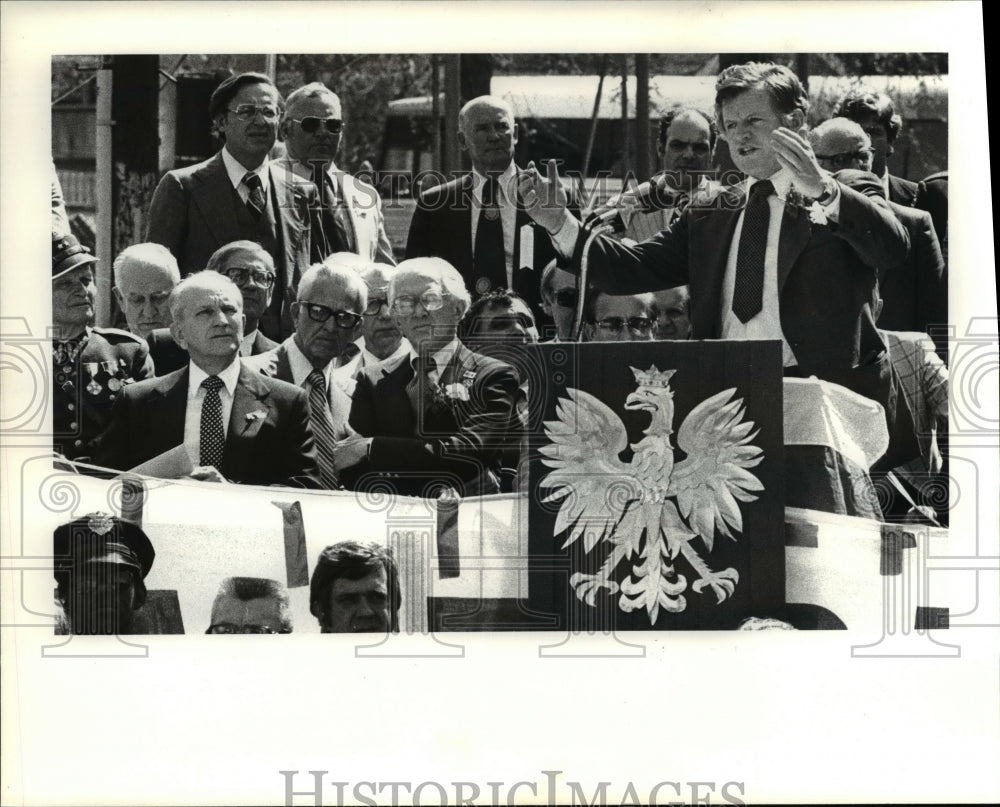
{"points": [[915, 292], [443, 419], [328, 314], [238, 194], [352, 210]]}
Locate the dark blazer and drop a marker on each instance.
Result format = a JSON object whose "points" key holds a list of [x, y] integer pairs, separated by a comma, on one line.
{"points": [[275, 449], [826, 272], [168, 356], [442, 227], [192, 214], [915, 293], [275, 364], [930, 195], [456, 442]]}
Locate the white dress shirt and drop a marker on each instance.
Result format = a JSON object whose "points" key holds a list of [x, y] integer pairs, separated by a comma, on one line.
{"points": [[507, 202], [237, 171], [195, 397]]}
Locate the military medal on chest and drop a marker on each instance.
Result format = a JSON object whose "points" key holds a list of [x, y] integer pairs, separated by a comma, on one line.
{"points": [[92, 368]]}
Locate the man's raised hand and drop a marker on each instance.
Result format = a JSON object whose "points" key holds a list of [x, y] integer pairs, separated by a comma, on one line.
{"points": [[543, 198]]}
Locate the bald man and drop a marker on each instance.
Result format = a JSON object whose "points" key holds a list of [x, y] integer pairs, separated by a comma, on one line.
{"points": [[234, 425], [915, 292], [475, 221]]}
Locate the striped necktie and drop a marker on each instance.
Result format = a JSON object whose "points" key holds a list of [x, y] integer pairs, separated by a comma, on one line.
{"points": [[256, 201], [322, 427]]}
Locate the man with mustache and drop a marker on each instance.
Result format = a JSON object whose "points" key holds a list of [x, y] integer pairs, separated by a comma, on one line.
{"points": [[238, 194]]}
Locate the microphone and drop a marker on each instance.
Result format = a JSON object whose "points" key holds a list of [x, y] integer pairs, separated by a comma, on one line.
{"points": [[645, 198]]}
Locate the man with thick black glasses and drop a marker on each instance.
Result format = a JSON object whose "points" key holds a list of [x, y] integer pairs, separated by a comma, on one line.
{"points": [[238, 194], [328, 315], [352, 210]]}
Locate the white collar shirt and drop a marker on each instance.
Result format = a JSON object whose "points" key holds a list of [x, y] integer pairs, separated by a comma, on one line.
{"points": [[767, 323], [507, 202], [236, 171], [196, 395]]}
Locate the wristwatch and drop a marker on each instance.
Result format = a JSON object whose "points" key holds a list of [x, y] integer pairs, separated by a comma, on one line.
{"points": [[829, 191]]}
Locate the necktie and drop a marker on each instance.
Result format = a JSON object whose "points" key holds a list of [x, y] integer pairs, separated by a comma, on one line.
{"points": [[322, 427], [213, 436], [748, 289], [338, 237], [489, 258], [256, 202], [420, 385]]}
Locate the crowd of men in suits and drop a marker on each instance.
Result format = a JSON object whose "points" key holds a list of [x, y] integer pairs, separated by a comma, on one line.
{"points": [[272, 339]]}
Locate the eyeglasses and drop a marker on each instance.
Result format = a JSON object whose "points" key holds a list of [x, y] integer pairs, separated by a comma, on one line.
{"points": [[375, 305], [680, 145], [310, 125], [430, 300], [321, 313], [639, 325], [567, 298], [845, 158], [242, 275], [247, 112], [230, 628]]}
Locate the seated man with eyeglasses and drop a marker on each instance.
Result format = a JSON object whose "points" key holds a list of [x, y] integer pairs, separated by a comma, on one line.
{"points": [[328, 314], [251, 605], [352, 209], [558, 300], [238, 194], [443, 419], [251, 268], [619, 318]]}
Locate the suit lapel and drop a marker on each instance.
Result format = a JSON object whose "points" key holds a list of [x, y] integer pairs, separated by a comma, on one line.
{"points": [[168, 411], [357, 215], [716, 229], [795, 233], [462, 231], [214, 199], [250, 410]]}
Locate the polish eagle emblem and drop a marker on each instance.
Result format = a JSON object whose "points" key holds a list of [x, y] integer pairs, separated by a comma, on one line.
{"points": [[648, 511]]}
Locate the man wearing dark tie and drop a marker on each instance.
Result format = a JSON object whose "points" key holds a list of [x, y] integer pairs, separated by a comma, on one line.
{"points": [[475, 222], [238, 194], [443, 419], [352, 210], [234, 424], [794, 256], [328, 315]]}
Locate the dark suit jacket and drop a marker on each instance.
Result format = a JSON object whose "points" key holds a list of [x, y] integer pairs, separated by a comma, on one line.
{"points": [[915, 293], [192, 214], [168, 356], [826, 272], [930, 195], [442, 227], [274, 364], [276, 449], [457, 444]]}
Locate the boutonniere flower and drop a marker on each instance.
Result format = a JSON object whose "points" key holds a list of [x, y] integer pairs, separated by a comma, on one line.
{"points": [[457, 392], [469, 378], [817, 215], [258, 415]]}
